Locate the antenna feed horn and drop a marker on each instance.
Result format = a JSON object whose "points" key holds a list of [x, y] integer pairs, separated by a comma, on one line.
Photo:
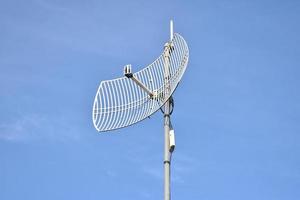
{"points": [[128, 71]]}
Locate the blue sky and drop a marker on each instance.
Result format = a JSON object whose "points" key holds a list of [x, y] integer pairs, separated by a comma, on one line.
{"points": [[237, 109]]}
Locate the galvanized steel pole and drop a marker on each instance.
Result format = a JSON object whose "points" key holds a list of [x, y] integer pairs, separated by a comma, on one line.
{"points": [[167, 153]]}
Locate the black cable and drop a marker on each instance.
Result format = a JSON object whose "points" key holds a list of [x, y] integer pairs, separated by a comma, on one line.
{"points": [[171, 106]]}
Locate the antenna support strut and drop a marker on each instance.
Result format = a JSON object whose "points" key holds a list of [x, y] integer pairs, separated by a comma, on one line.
{"points": [[128, 73]]}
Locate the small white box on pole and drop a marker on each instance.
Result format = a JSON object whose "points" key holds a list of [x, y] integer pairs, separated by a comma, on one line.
{"points": [[172, 140]]}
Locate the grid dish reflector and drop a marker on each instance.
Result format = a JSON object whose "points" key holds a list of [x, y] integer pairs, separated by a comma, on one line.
{"points": [[121, 102]]}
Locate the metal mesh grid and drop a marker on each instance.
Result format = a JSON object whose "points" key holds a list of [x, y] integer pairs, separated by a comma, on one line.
{"points": [[120, 102]]}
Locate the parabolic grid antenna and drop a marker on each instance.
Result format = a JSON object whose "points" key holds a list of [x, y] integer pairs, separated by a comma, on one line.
{"points": [[125, 101]]}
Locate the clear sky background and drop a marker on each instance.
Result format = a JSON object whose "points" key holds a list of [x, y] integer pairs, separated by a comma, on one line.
{"points": [[237, 109]]}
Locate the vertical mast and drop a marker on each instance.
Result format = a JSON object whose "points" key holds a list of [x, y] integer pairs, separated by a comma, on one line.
{"points": [[171, 30], [167, 153]]}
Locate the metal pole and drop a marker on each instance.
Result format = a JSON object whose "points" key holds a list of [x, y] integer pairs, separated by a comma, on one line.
{"points": [[171, 30], [167, 152]]}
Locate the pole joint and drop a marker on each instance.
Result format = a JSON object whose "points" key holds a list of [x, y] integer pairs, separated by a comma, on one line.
{"points": [[166, 161], [167, 115]]}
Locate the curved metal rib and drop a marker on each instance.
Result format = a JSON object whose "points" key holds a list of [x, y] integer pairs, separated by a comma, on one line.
{"points": [[120, 102]]}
